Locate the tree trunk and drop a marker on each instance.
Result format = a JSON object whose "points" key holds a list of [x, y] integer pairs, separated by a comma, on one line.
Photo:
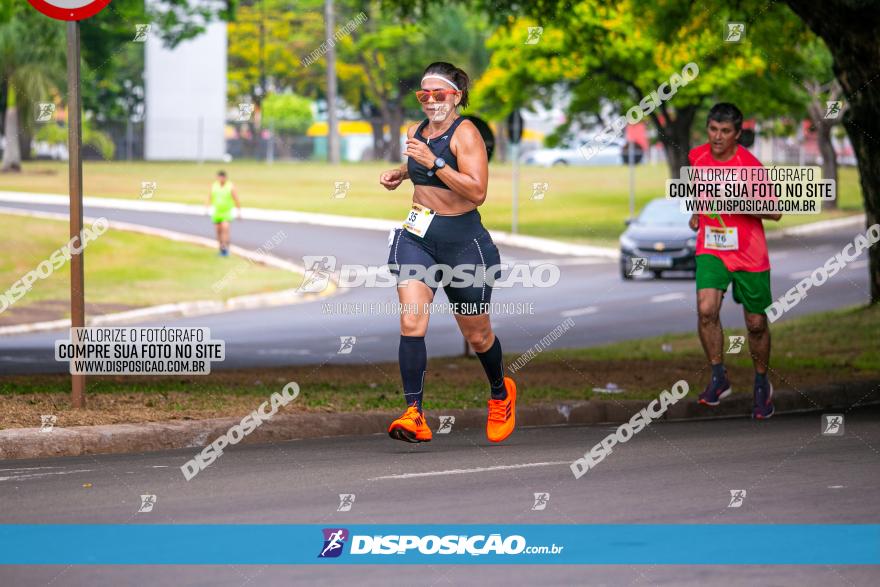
{"points": [[829, 158], [395, 121], [501, 141], [25, 138], [12, 150], [380, 147], [849, 29], [675, 134]]}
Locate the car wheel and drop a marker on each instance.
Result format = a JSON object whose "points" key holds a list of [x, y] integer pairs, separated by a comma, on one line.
{"points": [[559, 162], [658, 274], [624, 274]]}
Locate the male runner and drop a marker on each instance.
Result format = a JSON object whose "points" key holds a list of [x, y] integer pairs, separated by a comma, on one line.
{"points": [[220, 202], [738, 255]]}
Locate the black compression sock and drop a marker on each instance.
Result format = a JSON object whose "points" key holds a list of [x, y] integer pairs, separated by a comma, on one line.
{"points": [[718, 372], [493, 365], [413, 357]]}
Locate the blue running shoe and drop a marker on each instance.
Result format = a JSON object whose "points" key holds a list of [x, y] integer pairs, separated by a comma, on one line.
{"points": [[763, 408], [717, 390]]}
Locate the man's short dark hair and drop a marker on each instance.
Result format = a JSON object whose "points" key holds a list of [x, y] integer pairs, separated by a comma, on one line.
{"points": [[726, 112], [221, 173]]}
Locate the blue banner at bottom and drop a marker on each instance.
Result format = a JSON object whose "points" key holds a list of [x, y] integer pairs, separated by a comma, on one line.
{"points": [[630, 544]]}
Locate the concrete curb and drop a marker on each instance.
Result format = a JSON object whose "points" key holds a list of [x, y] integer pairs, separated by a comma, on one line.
{"points": [[179, 309], [28, 443]]}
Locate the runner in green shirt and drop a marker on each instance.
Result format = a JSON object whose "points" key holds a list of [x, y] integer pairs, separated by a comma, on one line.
{"points": [[220, 202]]}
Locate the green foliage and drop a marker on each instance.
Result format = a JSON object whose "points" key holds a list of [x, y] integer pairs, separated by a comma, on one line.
{"points": [[57, 133], [621, 51], [287, 112], [267, 39]]}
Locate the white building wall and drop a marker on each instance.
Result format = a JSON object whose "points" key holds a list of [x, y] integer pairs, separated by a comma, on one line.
{"points": [[185, 97]]}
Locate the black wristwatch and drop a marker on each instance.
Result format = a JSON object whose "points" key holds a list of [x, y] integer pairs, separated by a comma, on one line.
{"points": [[439, 163]]}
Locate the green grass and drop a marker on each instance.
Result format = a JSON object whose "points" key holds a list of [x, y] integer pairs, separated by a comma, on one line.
{"points": [[583, 204], [837, 341], [127, 269], [810, 351]]}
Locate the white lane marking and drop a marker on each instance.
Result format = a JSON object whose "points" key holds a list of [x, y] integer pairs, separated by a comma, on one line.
{"points": [[667, 297], [854, 265], [835, 487], [579, 311], [35, 475], [29, 468], [160, 466], [476, 470]]}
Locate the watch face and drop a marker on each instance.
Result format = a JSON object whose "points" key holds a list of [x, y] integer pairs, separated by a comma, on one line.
{"points": [[439, 162]]}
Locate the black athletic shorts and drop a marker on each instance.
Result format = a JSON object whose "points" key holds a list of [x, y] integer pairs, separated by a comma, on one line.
{"points": [[456, 251]]}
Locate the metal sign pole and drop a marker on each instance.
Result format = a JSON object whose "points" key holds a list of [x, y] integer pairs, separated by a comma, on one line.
{"points": [[74, 143]]}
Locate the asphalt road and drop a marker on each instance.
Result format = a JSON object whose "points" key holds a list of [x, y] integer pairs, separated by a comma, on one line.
{"points": [[590, 291], [669, 473]]}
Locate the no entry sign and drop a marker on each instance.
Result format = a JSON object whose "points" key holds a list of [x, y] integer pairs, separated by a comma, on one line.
{"points": [[69, 9]]}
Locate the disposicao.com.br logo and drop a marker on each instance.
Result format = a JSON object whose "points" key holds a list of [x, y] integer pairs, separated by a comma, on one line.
{"points": [[334, 541]]}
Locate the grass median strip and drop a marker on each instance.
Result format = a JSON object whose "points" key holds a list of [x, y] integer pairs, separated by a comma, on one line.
{"points": [[814, 350], [123, 271]]}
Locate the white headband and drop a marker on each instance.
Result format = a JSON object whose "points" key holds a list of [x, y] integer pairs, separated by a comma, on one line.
{"points": [[443, 78]]}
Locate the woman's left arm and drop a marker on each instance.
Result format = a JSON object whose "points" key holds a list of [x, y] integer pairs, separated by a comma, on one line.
{"points": [[472, 177]]}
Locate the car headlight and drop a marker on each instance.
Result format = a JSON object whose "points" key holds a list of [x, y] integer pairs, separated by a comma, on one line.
{"points": [[691, 243], [626, 242]]}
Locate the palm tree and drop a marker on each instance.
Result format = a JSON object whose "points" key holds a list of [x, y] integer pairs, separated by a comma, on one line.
{"points": [[32, 51]]}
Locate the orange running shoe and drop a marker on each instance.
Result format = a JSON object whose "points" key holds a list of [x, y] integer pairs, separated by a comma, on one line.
{"points": [[502, 414], [410, 427]]}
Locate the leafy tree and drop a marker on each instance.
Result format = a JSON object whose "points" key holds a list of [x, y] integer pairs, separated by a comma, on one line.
{"points": [[32, 66], [287, 112], [33, 59], [57, 133], [379, 62], [382, 62], [622, 52]]}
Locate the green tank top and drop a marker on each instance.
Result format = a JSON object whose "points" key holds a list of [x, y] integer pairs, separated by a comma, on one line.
{"points": [[221, 197]]}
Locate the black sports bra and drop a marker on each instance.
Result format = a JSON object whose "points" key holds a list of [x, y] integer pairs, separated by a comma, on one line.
{"points": [[418, 173]]}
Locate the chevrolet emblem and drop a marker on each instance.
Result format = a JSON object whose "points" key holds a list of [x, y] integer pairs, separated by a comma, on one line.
{"points": [[659, 246]]}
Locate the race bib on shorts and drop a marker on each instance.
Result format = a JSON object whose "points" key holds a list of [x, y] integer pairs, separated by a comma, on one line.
{"points": [[418, 220], [721, 239]]}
